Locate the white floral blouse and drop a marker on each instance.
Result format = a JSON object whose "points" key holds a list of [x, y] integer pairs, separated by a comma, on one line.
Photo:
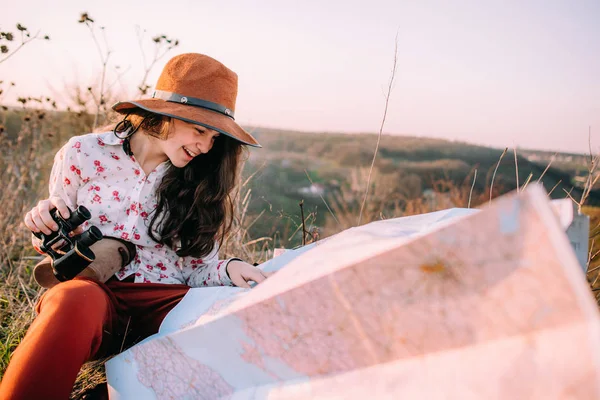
{"points": [[93, 170]]}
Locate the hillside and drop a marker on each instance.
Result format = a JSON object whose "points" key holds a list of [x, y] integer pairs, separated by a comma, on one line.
{"points": [[407, 168]]}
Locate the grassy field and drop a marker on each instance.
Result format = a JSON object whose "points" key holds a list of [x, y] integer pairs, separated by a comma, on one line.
{"points": [[412, 176]]}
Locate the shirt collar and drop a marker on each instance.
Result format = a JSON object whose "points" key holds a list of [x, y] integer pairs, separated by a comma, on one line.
{"points": [[110, 138]]}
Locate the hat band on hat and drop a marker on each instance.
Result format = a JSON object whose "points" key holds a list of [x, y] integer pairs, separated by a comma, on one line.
{"points": [[192, 101]]}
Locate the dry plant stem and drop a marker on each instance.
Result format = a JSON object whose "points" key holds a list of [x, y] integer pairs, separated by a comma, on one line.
{"points": [[590, 143], [321, 196], [593, 269], [104, 59], [569, 192], [254, 174], [26, 295], [118, 78], [590, 260], [262, 239], [299, 226], [590, 184], [589, 257], [140, 38], [155, 59], [496, 170], [595, 280], [23, 43], [301, 204], [125, 335], [571, 197], [147, 69], [255, 219], [527, 181], [555, 186], [516, 168], [547, 167], [591, 180], [472, 186], [387, 100]]}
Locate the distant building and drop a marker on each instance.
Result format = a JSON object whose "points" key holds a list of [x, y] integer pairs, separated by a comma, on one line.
{"points": [[316, 189]]}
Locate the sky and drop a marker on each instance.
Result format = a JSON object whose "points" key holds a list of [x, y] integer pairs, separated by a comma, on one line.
{"points": [[507, 73]]}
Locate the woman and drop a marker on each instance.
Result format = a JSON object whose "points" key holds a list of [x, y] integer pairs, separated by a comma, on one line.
{"points": [[160, 181]]}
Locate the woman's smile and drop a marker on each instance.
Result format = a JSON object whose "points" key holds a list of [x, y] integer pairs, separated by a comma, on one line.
{"points": [[189, 153]]}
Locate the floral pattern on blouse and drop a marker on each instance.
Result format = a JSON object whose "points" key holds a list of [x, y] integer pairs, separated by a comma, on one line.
{"points": [[93, 170]]}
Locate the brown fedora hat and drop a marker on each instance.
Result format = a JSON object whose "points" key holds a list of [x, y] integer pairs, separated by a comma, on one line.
{"points": [[198, 89]]}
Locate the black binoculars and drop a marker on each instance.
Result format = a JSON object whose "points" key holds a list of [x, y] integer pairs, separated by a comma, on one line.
{"points": [[70, 255]]}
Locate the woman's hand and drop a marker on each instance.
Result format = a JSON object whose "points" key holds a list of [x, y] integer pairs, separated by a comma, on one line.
{"points": [[38, 219], [241, 273]]}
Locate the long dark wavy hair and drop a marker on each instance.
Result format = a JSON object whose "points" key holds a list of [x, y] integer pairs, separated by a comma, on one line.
{"points": [[194, 203]]}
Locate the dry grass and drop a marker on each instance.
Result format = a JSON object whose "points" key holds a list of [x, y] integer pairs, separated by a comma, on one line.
{"points": [[24, 169], [397, 195], [21, 170]]}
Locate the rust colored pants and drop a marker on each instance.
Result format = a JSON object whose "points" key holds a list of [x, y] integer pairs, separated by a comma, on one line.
{"points": [[82, 320]]}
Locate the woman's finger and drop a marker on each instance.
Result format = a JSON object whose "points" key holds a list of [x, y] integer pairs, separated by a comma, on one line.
{"points": [[44, 213], [39, 223], [28, 220], [61, 206], [267, 275], [255, 275]]}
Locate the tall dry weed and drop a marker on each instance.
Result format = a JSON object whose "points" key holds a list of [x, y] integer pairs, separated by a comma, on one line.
{"points": [[22, 173]]}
